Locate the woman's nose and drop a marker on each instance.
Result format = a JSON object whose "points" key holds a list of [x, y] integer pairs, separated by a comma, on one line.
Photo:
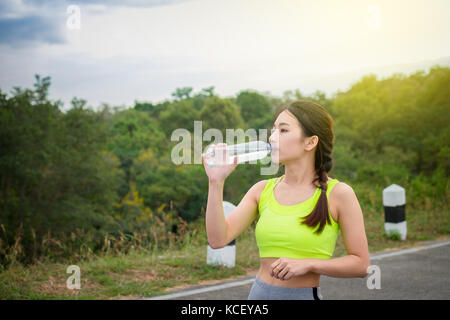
{"points": [[272, 137]]}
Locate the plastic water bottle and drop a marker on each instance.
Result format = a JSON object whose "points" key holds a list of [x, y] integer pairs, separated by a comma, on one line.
{"points": [[247, 151]]}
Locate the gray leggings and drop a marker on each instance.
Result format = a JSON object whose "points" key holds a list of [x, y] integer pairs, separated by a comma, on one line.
{"points": [[264, 291]]}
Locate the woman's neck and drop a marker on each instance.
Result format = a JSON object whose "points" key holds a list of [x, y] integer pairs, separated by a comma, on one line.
{"points": [[299, 174]]}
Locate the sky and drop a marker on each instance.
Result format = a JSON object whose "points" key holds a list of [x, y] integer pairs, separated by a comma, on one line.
{"points": [[117, 52]]}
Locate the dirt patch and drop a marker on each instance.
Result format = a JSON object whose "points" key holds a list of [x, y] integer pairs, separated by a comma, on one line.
{"points": [[54, 286], [134, 275]]}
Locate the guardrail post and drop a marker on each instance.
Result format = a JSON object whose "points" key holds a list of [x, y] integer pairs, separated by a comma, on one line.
{"points": [[225, 256]]}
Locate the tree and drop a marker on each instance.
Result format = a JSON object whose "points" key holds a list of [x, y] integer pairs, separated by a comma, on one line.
{"points": [[144, 106], [209, 91], [131, 132], [254, 107], [182, 92], [181, 114], [221, 114], [55, 176], [394, 116]]}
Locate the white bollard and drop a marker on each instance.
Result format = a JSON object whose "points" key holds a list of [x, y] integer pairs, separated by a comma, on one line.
{"points": [[394, 202], [225, 256]]}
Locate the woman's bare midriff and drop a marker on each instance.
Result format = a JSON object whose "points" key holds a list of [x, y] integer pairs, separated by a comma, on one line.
{"points": [[310, 279]]}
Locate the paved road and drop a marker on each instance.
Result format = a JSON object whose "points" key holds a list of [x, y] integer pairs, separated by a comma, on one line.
{"points": [[409, 274]]}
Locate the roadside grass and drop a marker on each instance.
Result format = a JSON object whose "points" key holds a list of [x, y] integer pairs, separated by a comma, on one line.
{"points": [[147, 272], [139, 273]]}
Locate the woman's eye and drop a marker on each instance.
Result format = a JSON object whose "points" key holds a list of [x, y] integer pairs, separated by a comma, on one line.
{"points": [[282, 130]]}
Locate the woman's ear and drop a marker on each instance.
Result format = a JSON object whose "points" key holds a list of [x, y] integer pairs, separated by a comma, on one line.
{"points": [[311, 142]]}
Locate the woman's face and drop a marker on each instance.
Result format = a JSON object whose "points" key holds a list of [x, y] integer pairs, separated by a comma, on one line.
{"points": [[287, 139]]}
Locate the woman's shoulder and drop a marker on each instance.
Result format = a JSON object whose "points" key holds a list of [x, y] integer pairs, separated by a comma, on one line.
{"points": [[337, 195], [260, 186], [340, 190], [336, 183]]}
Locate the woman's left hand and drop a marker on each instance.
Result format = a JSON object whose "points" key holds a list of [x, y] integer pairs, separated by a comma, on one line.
{"points": [[286, 268]]}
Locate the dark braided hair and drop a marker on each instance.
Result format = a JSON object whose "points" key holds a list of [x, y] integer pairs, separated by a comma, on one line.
{"points": [[315, 120]]}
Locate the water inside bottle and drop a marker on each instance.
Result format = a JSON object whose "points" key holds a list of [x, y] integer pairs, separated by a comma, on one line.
{"points": [[249, 151]]}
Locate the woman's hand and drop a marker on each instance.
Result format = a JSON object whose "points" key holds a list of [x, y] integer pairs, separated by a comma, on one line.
{"points": [[218, 173], [286, 268]]}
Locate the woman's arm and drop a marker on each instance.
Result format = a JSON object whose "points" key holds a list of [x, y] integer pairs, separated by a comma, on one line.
{"points": [[351, 222], [216, 227], [350, 266], [221, 231]]}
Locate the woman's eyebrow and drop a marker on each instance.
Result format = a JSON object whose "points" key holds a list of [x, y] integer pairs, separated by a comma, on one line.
{"points": [[282, 123]]}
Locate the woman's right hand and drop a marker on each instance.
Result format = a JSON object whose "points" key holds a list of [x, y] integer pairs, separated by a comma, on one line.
{"points": [[218, 173]]}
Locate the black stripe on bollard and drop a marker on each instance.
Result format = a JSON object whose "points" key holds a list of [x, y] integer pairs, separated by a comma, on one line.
{"points": [[394, 214], [316, 297]]}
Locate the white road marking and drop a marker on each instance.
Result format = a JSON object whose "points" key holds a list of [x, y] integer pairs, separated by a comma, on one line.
{"points": [[405, 251], [202, 290]]}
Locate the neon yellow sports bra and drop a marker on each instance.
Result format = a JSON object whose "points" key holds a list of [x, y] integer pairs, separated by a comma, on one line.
{"points": [[279, 233]]}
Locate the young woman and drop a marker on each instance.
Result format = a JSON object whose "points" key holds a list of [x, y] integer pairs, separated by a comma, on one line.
{"points": [[299, 214]]}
